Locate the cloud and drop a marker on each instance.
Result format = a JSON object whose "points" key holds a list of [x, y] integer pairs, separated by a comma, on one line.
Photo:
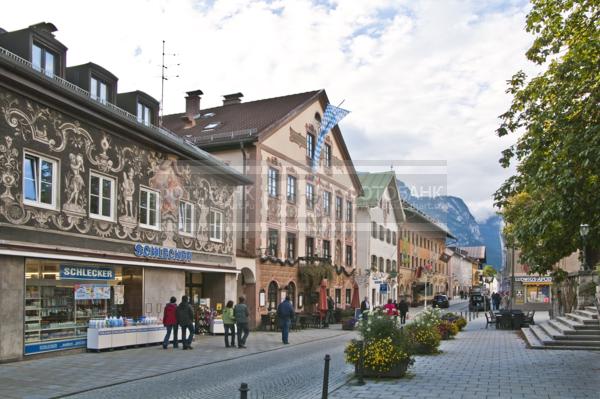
{"points": [[424, 80]]}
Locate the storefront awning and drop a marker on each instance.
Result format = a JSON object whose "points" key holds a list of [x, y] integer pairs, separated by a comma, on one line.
{"points": [[109, 260]]}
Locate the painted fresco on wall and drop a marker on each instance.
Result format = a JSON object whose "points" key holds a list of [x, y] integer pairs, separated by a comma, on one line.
{"points": [[81, 149]]}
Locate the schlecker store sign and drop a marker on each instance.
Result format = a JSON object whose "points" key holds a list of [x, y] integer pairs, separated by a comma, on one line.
{"points": [[152, 251]]}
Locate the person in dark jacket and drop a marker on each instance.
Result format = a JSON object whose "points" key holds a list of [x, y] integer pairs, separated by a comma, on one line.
{"points": [[285, 312], [403, 308], [330, 309], [185, 318], [241, 313], [170, 321]]}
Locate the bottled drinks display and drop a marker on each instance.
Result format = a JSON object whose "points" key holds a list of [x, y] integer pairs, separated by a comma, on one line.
{"points": [[112, 321]]}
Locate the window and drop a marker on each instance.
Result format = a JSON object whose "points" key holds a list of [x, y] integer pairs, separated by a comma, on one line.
{"points": [[381, 264], [273, 242], [348, 296], [310, 145], [143, 114], [216, 225], [394, 238], [381, 233], [326, 249], [348, 255], [273, 288], [211, 126], [102, 194], [186, 217], [374, 229], [98, 90], [373, 262], [338, 296], [310, 247], [290, 246], [388, 266], [388, 236], [39, 181], [394, 266], [326, 202], [272, 182], [327, 155], [310, 196], [291, 189], [148, 208], [43, 60], [348, 211], [339, 211]]}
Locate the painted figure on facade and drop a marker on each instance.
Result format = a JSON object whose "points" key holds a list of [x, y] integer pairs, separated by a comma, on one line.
{"points": [[75, 202], [128, 187]]}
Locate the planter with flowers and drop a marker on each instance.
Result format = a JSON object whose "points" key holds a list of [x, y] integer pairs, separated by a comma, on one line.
{"points": [[384, 349], [423, 332]]}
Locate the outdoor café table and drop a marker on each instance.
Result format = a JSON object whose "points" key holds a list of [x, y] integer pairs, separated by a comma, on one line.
{"points": [[510, 319]]}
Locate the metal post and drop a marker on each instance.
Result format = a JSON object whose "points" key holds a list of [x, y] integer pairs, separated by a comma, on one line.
{"points": [[326, 377], [512, 280], [361, 364], [244, 391]]}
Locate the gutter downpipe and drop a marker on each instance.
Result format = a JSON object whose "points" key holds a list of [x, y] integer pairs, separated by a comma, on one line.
{"points": [[244, 158]]}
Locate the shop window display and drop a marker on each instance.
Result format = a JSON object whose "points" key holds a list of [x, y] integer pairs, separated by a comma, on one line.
{"points": [[61, 298]]}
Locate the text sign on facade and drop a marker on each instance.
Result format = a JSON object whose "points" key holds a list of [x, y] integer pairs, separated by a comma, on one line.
{"points": [[76, 272], [383, 288], [152, 251], [534, 279]]}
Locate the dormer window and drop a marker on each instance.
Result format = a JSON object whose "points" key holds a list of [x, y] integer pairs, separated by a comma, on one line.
{"points": [[143, 114], [98, 90], [43, 60]]}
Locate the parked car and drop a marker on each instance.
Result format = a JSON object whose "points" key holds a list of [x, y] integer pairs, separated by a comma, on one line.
{"points": [[476, 302], [440, 301]]}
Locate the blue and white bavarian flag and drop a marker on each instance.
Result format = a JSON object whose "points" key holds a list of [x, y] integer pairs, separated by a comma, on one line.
{"points": [[331, 117]]}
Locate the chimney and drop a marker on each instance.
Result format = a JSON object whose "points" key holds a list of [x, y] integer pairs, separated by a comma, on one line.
{"points": [[234, 98], [192, 104]]}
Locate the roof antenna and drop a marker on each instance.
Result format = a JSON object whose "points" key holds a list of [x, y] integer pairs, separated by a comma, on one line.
{"points": [[163, 77]]}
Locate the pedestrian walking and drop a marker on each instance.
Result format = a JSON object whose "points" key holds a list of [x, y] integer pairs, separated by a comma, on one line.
{"points": [[389, 307], [330, 308], [185, 318], [170, 322], [505, 302], [229, 324], [240, 313], [285, 312], [365, 306], [403, 308]]}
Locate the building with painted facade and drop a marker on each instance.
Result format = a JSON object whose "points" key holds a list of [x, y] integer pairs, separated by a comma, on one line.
{"points": [[101, 212], [292, 215]]}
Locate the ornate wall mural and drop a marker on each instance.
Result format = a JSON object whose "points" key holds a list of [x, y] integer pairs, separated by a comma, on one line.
{"points": [[81, 149]]}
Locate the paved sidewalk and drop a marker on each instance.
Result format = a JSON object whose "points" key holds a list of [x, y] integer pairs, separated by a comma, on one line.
{"points": [[489, 363], [62, 375]]}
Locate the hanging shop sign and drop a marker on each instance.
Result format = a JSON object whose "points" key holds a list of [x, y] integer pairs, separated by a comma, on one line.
{"points": [[534, 279], [155, 252], [77, 272], [383, 287]]}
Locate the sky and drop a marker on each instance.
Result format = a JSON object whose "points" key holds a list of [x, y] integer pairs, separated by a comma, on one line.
{"points": [[424, 80]]}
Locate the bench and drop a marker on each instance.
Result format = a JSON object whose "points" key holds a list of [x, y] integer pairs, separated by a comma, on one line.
{"points": [[490, 318]]}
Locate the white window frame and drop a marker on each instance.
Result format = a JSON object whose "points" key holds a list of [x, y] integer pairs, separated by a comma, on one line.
{"points": [[310, 201], [181, 227], [145, 116], [273, 182], [96, 85], [113, 181], [327, 154], [55, 169], [147, 191], [211, 225], [327, 203]]}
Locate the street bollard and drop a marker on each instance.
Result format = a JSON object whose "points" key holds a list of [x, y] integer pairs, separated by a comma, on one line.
{"points": [[244, 391], [326, 377], [361, 364]]}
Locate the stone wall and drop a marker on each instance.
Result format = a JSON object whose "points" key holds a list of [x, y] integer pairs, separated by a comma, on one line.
{"points": [[12, 286]]}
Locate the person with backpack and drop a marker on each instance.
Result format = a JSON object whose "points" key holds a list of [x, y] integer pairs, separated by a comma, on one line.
{"points": [[185, 318], [403, 308], [285, 312], [170, 322], [241, 313], [229, 324]]}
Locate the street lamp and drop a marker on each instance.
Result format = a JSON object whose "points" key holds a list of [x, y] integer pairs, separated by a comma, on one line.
{"points": [[584, 229], [488, 280]]}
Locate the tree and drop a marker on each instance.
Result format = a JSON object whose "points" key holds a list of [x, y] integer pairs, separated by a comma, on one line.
{"points": [[557, 183], [488, 271]]}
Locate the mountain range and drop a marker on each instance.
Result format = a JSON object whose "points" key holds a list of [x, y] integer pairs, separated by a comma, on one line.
{"points": [[452, 212]]}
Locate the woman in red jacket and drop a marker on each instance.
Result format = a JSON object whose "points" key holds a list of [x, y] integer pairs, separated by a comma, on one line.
{"points": [[390, 308], [170, 321]]}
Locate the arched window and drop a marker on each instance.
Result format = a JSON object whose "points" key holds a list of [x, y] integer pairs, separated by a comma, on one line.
{"points": [[374, 229], [388, 266], [381, 264], [318, 117], [373, 262], [272, 295], [394, 266], [388, 236], [291, 292]]}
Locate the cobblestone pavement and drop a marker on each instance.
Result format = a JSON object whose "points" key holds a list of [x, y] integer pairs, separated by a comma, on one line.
{"points": [[63, 375], [489, 363]]}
